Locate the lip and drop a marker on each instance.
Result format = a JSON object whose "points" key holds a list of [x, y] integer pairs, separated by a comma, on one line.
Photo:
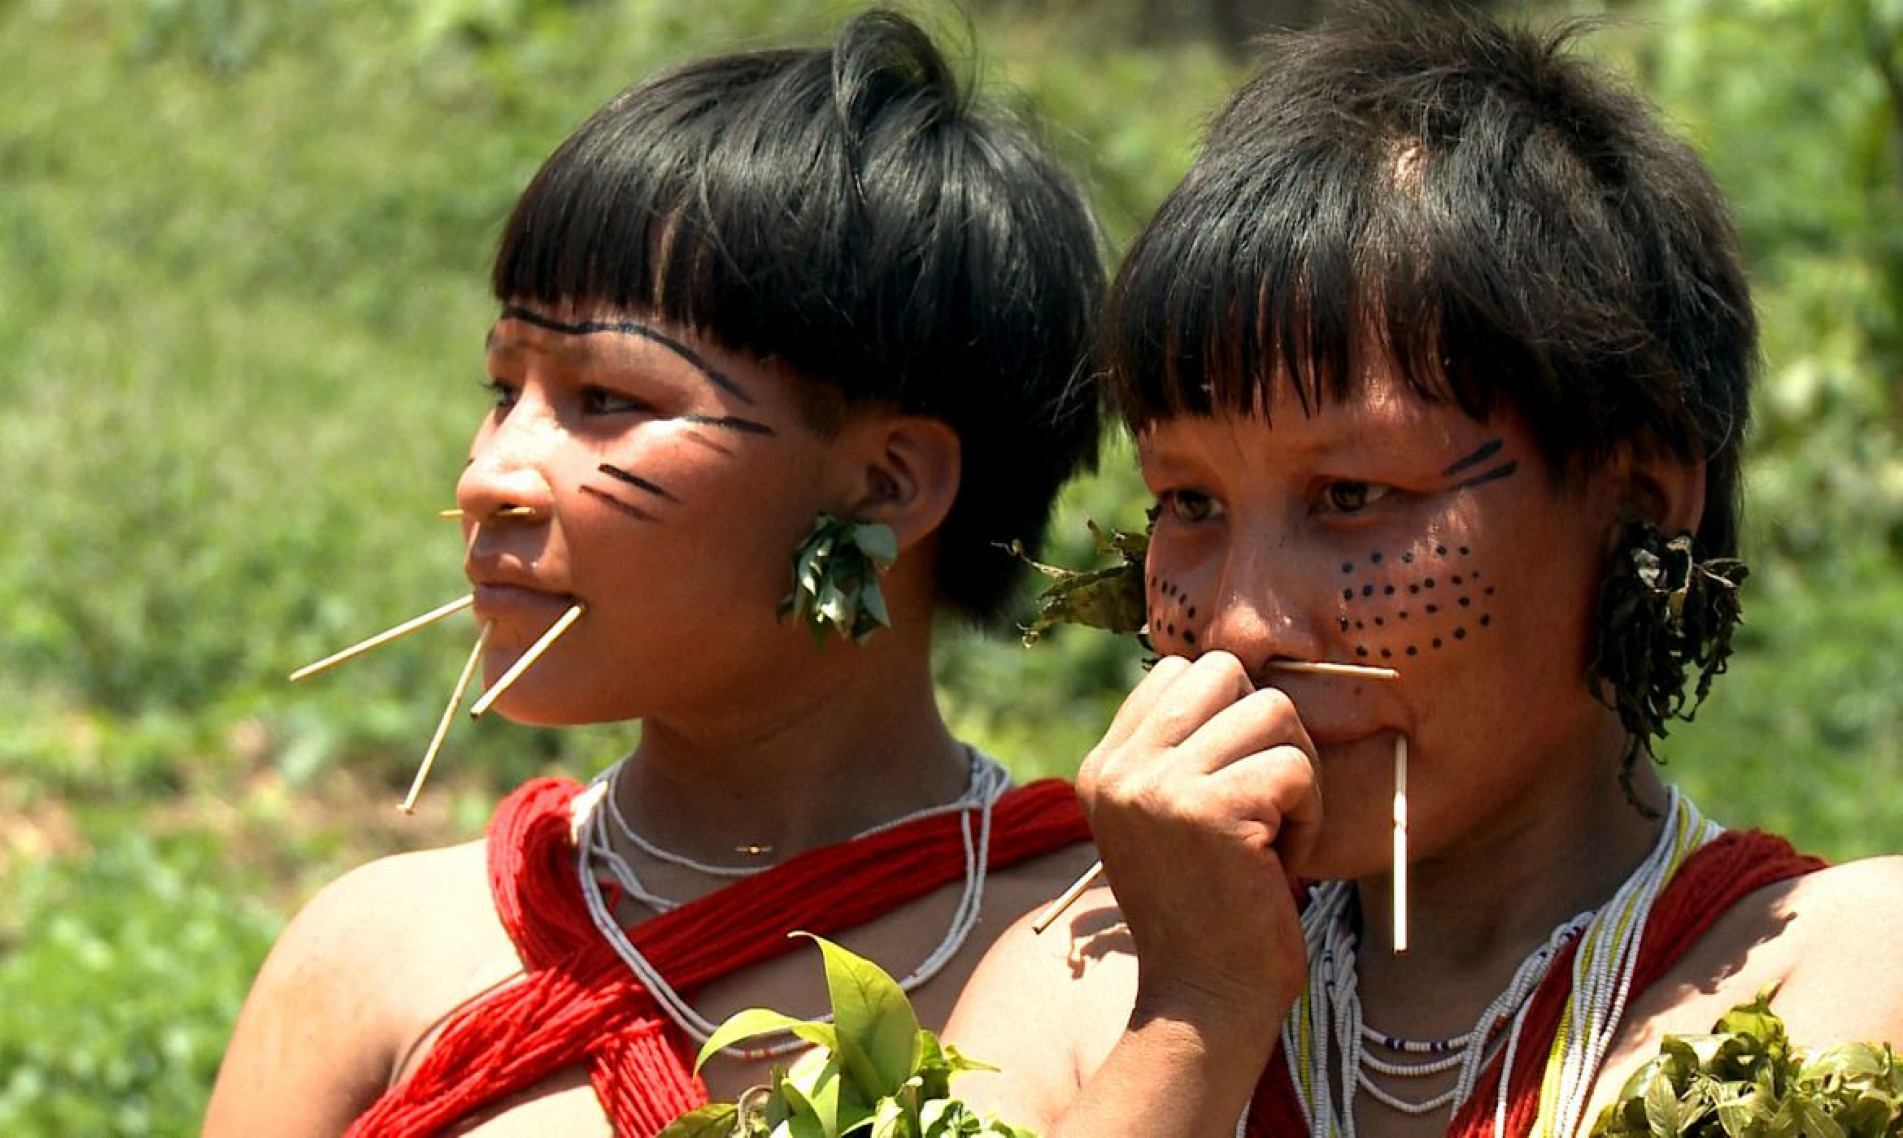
{"points": [[503, 591]]}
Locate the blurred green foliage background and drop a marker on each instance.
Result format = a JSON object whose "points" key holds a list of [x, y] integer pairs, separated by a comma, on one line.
{"points": [[243, 250]]}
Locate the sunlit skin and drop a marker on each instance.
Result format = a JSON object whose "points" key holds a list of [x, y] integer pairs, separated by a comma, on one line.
{"points": [[668, 482], [1381, 529]]}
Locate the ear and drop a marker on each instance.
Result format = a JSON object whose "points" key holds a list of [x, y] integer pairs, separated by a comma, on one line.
{"points": [[1665, 491], [908, 474]]}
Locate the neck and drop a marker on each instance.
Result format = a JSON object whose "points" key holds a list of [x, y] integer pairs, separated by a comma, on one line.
{"points": [[1477, 910], [857, 742]]}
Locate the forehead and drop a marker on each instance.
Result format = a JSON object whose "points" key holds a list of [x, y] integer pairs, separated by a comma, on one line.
{"points": [[1380, 415]]}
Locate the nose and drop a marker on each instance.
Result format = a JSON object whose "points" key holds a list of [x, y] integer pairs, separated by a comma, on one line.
{"points": [[508, 470], [1254, 602]]}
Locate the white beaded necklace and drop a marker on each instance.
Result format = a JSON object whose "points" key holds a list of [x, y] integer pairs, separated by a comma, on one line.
{"points": [[986, 782], [1324, 1036]]}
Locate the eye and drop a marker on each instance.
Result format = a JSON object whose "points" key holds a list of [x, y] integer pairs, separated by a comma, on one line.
{"points": [[1352, 497], [1191, 506], [603, 401], [501, 393]]}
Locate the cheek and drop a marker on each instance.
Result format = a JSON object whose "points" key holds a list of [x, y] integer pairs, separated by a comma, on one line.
{"points": [[1416, 600], [1175, 614]]}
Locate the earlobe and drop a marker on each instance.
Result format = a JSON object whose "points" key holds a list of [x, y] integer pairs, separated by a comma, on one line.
{"points": [[910, 476], [1667, 493]]}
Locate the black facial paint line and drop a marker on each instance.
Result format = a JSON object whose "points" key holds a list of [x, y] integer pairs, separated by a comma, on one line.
{"points": [[636, 481], [1503, 470], [633, 511], [631, 328], [730, 423], [1480, 454]]}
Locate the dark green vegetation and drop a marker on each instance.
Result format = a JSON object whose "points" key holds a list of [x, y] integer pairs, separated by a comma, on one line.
{"points": [[242, 264]]}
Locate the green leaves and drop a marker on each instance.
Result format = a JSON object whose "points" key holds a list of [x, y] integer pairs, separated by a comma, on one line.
{"points": [[1745, 1081], [875, 1072], [1111, 598], [836, 579]]}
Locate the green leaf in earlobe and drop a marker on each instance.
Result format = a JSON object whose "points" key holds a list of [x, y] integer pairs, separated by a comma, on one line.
{"points": [[878, 542]]}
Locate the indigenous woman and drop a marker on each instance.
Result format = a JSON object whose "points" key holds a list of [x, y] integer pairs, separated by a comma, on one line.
{"points": [[1439, 344], [764, 302]]}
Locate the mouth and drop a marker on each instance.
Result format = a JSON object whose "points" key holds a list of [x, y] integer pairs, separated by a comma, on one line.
{"points": [[503, 595]]}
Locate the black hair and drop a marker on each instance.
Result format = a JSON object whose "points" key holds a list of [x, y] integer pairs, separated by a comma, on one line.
{"points": [[1493, 217], [847, 212]]}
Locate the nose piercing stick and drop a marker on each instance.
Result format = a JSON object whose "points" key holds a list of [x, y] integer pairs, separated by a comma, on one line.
{"points": [[522, 665], [408, 805], [383, 638], [1069, 896], [505, 512]]}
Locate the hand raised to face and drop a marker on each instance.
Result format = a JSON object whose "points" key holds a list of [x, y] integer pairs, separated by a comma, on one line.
{"points": [[1201, 794]]}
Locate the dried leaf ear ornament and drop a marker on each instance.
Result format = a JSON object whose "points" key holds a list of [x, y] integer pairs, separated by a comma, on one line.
{"points": [[836, 579], [1662, 614]]}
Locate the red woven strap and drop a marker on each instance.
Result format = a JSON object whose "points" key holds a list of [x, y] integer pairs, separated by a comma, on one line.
{"points": [[578, 1003], [1720, 874]]}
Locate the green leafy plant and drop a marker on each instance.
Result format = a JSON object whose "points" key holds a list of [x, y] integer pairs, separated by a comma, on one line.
{"points": [[1111, 598], [836, 579], [875, 1072], [1745, 1080]]}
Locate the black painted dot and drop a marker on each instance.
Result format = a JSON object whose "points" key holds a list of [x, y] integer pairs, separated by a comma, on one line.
{"points": [[1485, 619], [1359, 625], [1458, 579], [1428, 584], [1347, 594], [1460, 634], [1367, 590], [1413, 651], [1407, 558], [1189, 637], [1343, 621], [1464, 602], [1432, 609], [1489, 590], [1192, 612], [1464, 551], [1374, 558], [1440, 551], [1361, 650], [1413, 590], [1403, 614], [1170, 628], [1437, 642], [1386, 654], [1388, 592], [1379, 623], [1347, 567], [1476, 573]]}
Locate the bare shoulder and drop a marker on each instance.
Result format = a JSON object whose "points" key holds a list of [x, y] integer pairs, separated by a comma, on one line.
{"points": [[363, 967], [1046, 1008]]}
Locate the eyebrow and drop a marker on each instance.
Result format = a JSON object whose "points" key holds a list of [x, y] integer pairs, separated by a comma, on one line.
{"points": [[629, 328]]}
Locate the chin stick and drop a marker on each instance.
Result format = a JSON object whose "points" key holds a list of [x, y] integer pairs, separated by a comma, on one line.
{"points": [[528, 658], [408, 805], [1091, 876], [1400, 844], [383, 638]]}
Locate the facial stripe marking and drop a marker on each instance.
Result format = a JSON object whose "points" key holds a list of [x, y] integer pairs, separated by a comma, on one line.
{"points": [[636, 481], [1503, 470], [630, 328], [730, 423], [632, 511], [1481, 454]]}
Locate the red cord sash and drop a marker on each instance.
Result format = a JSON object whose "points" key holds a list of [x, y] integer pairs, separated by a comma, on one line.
{"points": [[1722, 872], [578, 1003]]}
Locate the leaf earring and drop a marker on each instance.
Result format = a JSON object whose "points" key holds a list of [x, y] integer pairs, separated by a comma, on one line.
{"points": [[836, 579]]}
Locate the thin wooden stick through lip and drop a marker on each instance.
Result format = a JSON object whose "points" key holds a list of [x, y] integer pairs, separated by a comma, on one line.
{"points": [[408, 805], [1091, 876], [528, 658], [384, 637], [1399, 880]]}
